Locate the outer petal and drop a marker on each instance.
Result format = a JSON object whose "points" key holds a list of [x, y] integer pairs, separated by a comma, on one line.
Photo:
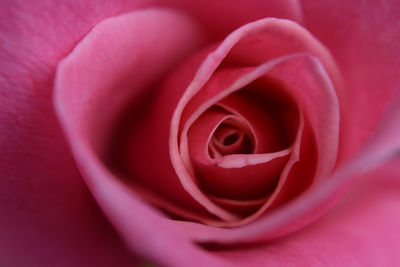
{"points": [[47, 215], [223, 16], [362, 230], [97, 74], [364, 38]]}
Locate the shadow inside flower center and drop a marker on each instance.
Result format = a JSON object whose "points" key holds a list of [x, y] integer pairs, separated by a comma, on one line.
{"points": [[230, 138]]}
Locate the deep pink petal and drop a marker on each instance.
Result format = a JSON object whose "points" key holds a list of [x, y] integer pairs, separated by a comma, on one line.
{"points": [[222, 17], [233, 176], [255, 37], [364, 38], [309, 85], [47, 216], [382, 147], [46, 31], [313, 90], [273, 121]]}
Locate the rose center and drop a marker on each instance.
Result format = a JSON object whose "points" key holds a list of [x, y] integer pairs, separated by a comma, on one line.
{"points": [[230, 137]]}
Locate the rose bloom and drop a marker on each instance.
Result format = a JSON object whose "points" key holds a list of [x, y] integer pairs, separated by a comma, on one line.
{"points": [[200, 133]]}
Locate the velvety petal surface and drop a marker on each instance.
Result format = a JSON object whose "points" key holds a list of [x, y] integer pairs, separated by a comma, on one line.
{"points": [[47, 216], [222, 17], [102, 64], [117, 70], [361, 230], [365, 40]]}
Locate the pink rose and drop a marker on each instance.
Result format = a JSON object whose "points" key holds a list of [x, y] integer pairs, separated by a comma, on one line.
{"points": [[210, 133]]}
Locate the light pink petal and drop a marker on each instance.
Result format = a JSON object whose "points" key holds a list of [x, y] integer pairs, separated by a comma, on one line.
{"points": [[98, 74], [364, 38], [362, 230], [105, 70]]}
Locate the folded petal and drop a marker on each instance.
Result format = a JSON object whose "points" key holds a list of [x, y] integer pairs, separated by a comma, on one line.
{"points": [[115, 62], [382, 147], [47, 213], [252, 44], [238, 176], [362, 230], [307, 83]]}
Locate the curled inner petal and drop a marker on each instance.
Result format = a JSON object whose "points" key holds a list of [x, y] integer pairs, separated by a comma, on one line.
{"points": [[233, 175], [230, 138]]}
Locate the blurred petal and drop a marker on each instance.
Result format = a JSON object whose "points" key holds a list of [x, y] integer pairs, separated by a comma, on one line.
{"points": [[48, 217], [98, 74], [364, 38], [223, 16], [362, 230]]}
